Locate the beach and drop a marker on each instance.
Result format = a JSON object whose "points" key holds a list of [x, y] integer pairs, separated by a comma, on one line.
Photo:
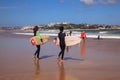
{"points": [[90, 60]]}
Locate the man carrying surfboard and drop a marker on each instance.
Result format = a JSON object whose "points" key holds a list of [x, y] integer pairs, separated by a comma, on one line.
{"points": [[62, 45], [36, 33]]}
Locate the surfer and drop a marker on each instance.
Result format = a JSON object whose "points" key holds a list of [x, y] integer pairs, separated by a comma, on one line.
{"points": [[61, 37], [36, 33], [70, 34], [98, 37], [83, 35]]}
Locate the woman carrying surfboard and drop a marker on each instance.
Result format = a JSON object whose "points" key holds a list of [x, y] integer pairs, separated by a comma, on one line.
{"points": [[61, 37], [36, 33]]}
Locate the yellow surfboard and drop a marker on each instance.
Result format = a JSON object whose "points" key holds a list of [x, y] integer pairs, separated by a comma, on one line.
{"points": [[36, 40]]}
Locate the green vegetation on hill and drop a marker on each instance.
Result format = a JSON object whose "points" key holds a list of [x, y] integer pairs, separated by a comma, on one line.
{"points": [[66, 26], [81, 26]]}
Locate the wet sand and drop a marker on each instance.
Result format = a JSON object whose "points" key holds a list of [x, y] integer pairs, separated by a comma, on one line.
{"points": [[90, 60]]}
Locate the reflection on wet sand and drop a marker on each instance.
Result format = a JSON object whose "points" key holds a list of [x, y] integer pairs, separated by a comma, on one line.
{"points": [[61, 75], [38, 74], [82, 48], [37, 70]]}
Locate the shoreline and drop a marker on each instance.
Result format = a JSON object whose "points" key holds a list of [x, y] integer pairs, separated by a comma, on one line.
{"points": [[88, 36], [55, 35]]}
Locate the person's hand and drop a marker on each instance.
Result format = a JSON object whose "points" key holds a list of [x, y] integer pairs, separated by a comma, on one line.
{"points": [[41, 40]]}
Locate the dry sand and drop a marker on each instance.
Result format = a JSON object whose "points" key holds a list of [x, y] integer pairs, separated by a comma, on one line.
{"points": [[91, 60]]}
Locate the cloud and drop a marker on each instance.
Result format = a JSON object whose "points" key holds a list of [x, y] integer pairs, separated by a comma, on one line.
{"points": [[61, 1], [107, 1], [88, 2], [112, 1], [92, 2]]}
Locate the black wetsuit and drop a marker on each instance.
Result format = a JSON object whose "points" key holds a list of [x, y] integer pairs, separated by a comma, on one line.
{"points": [[61, 37]]}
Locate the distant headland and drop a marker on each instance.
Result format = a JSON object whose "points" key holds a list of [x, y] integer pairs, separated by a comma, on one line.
{"points": [[66, 26]]}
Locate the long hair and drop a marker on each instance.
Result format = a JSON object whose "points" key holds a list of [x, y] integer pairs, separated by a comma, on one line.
{"points": [[35, 29]]}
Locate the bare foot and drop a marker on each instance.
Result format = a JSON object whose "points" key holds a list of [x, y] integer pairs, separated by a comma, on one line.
{"points": [[62, 60]]}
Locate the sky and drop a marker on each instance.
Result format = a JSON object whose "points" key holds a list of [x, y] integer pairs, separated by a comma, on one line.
{"points": [[37, 12]]}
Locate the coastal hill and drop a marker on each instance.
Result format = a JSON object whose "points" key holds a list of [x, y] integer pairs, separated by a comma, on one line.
{"points": [[66, 26]]}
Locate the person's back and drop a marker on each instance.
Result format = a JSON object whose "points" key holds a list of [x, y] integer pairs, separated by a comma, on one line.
{"points": [[61, 37]]}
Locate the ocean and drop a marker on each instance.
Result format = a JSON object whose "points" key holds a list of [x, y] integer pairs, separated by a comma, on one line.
{"points": [[112, 34]]}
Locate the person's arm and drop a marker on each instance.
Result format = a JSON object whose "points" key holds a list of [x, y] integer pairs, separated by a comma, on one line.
{"points": [[38, 34]]}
